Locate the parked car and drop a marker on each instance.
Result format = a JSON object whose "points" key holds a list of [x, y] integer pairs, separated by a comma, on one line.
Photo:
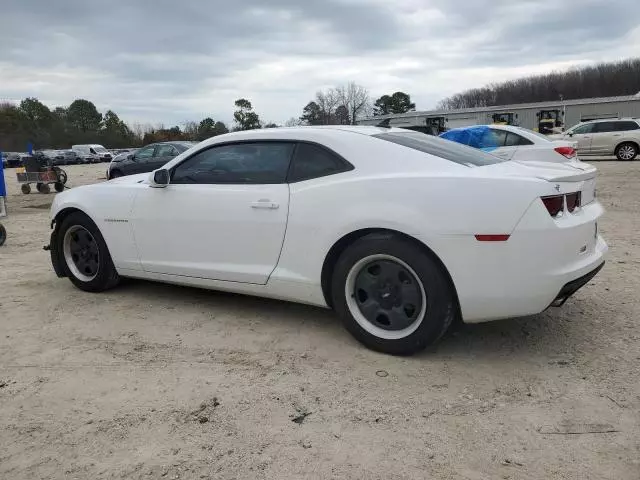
{"points": [[53, 157], [147, 159], [513, 143], [397, 231], [619, 137], [92, 151], [72, 157], [14, 159]]}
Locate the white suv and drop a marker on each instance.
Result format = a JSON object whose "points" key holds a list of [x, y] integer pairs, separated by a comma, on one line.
{"points": [[619, 137]]}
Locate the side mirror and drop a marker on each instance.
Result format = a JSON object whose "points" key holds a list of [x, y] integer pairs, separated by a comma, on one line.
{"points": [[570, 134], [159, 178]]}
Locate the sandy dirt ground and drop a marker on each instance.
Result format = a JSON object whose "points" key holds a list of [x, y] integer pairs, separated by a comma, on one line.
{"points": [[155, 381]]}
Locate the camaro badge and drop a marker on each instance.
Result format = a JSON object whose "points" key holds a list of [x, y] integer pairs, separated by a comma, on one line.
{"points": [[557, 187]]}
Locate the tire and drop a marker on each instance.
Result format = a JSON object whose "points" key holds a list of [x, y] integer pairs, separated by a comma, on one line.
{"points": [[3, 234], [43, 188], [404, 291], [62, 176], [115, 174], [626, 151], [25, 188], [58, 186], [85, 259]]}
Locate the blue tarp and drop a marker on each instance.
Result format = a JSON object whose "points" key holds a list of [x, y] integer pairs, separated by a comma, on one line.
{"points": [[3, 189], [479, 136]]}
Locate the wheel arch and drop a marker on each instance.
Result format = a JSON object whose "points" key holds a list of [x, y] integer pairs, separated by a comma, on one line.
{"points": [[632, 142], [112, 170], [343, 243]]}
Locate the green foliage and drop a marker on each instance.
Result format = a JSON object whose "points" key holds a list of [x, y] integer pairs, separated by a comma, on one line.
{"points": [[84, 116], [311, 114], [399, 102], [32, 122], [244, 116], [36, 112], [209, 128]]}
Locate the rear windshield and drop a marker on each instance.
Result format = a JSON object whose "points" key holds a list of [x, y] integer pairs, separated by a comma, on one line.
{"points": [[440, 147]]}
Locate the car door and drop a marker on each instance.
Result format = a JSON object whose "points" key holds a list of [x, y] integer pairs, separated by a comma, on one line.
{"points": [[142, 160], [582, 135], [163, 154], [223, 216], [603, 138]]}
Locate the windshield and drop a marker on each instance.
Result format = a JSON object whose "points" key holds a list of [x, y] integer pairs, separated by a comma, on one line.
{"points": [[100, 149], [440, 147]]}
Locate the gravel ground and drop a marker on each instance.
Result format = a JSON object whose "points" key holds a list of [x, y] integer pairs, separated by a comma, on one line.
{"points": [[155, 381]]}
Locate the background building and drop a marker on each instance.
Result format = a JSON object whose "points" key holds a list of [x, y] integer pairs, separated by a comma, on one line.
{"points": [[546, 117]]}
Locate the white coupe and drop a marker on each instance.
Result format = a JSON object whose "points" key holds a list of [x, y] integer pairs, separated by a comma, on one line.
{"points": [[397, 231]]}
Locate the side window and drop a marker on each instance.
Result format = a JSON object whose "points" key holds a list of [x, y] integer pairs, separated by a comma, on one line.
{"points": [[166, 151], [582, 129], [145, 153], [605, 127], [92, 151], [626, 126], [494, 138], [239, 163], [513, 140], [313, 161]]}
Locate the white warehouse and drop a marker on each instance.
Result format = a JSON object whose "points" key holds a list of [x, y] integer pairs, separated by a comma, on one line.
{"points": [[546, 117]]}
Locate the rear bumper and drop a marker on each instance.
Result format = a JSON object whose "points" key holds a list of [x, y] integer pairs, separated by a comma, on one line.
{"points": [[544, 261], [573, 286]]}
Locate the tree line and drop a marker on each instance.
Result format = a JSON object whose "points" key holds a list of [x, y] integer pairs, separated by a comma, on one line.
{"points": [[602, 80], [32, 122]]}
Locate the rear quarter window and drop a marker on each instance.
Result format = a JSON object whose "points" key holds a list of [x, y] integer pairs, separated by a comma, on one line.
{"points": [[439, 147], [626, 126]]}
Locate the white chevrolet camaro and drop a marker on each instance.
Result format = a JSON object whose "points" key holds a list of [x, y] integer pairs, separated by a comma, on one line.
{"points": [[397, 231]]}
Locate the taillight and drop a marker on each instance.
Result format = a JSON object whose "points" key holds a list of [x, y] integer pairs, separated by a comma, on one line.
{"points": [[567, 152], [573, 201], [554, 204]]}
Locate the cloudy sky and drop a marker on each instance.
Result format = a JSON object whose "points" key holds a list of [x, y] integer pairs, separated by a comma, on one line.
{"points": [[169, 61]]}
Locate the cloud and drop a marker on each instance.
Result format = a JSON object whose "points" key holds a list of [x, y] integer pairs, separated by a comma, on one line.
{"points": [[162, 61]]}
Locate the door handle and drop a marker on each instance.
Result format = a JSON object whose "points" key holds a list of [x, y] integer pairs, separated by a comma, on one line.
{"points": [[265, 204], [617, 135]]}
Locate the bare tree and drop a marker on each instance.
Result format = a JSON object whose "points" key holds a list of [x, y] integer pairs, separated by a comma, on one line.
{"points": [[293, 122], [356, 100], [602, 80], [327, 102], [190, 129]]}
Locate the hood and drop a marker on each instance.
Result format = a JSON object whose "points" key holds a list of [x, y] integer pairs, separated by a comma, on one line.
{"points": [[129, 179]]}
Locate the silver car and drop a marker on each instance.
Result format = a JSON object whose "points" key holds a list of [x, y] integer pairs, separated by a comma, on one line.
{"points": [[619, 137]]}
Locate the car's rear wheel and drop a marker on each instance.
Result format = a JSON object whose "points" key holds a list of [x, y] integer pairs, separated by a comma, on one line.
{"points": [[392, 295], [85, 255], [115, 174], [626, 151]]}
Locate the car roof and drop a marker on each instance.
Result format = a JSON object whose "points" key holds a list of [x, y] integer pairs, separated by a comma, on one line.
{"points": [[302, 132], [623, 119]]}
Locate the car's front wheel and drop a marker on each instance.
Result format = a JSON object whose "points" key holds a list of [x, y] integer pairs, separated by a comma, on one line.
{"points": [[115, 174], [392, 295], [85, 255]]}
